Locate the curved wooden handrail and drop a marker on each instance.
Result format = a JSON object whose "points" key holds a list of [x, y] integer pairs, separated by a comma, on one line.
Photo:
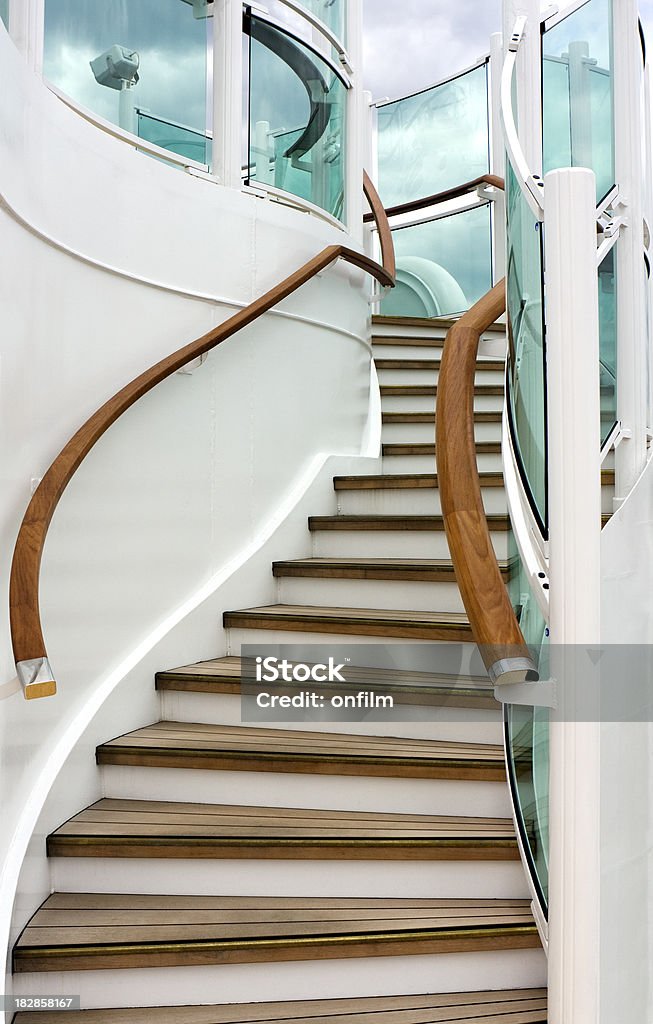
{"points": [[490, 613], [441, 197], [379, 215], [30, 652]]}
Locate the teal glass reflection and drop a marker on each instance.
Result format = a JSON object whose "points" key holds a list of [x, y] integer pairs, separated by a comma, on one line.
{"points": [[172, 50], [577, 91], [608, 343], [527, 366], [174, 137], [434, 140], [4, 12], [528, 734], [331, 12], [296, 119], [443, 266]]}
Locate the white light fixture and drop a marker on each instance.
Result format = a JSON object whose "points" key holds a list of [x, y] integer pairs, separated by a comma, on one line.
{"points": [[117, 68], [201, 8]]}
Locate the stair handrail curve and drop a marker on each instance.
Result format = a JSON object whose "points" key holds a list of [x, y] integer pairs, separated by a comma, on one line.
{"points": [[492, 618], [28, 643], [415, 205]]}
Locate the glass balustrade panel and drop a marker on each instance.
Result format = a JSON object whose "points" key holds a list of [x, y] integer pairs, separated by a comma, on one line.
{"points": [[577, 93], [163, 37], [174, 137], [526, 349], [608, 343], [443, 266], [4, 12], [296, 119], [434, 140]]}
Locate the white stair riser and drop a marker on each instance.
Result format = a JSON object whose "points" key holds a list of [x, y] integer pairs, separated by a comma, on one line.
{"points": [[430, 376], [424, 433], [236, 637], [405, 595], [427, 463], [425, 403], [408, 501], [329, 878], [462, 725], [316, 979], [391, 544], [327, 792]]}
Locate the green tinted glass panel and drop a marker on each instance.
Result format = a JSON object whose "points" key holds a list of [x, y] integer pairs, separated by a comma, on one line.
{"points": [[443, 266], [4, 12], [435, 140], [527, 368], [331, 12], [171, 45], [608, 343], [578, 93], [175, 137], [528, 733], [296, 119]]}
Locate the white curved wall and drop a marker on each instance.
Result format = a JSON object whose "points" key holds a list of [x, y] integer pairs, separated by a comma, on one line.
{"points": [[192, 480]]}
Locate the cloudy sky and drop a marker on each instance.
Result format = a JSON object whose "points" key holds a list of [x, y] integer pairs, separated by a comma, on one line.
{"points": [[437, 38]]}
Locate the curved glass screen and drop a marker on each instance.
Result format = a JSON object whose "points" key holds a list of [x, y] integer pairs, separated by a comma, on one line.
{"points": [[577, 91], [526, 350], [4, 12], [434, 140], [118, 57], [296, 119], [443, 266]]}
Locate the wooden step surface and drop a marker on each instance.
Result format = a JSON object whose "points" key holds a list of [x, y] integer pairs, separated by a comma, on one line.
{"points": [[80, 931], [414, 625], [436, 322], [407, 481], [239, 748], [143, 828], [223, 675], [433, 365], [518, 1006], [431, 390], [480, 416], [482, 448], [415, 570], [422, 524]]}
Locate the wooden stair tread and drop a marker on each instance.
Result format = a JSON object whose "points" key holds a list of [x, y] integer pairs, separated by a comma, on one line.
{"points": [[223, 675], [518, 1006], [423, 570], [433, 365], [431, 390], [378, 319], [239, 748], [417, 625], [480, 416], [78, 931], [395, 523], [142, 828], [422, 448], [408, 481]]}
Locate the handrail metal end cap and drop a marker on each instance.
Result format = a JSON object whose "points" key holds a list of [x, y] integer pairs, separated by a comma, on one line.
{"points": [[36, 678], [513, 670]]}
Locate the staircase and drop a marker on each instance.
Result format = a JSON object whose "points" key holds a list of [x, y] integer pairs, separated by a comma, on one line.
{"points": [[335, 874]]}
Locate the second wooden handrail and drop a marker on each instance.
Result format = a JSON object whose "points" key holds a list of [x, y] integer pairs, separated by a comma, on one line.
{"points": [[441, 197], [494, 624], [30, 652]]}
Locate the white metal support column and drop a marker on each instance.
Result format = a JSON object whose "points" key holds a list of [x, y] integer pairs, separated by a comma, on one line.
{"points": [[356, 123], [498, 160], [26, 27], [630, 456], [227, 91], [575, 534]]}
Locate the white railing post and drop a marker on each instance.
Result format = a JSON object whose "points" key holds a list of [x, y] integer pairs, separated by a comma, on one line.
{"points": [[356, 124], [498, 158], [630, 456], [228, 91], [575, 576], [528, 77], [26, 28]]}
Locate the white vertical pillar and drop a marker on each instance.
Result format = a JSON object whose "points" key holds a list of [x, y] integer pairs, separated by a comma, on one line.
{"points": [[26, 27], [575, 576], [498, 161], [228, 91], [356, 124], [528, 75], [631, 289]]}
